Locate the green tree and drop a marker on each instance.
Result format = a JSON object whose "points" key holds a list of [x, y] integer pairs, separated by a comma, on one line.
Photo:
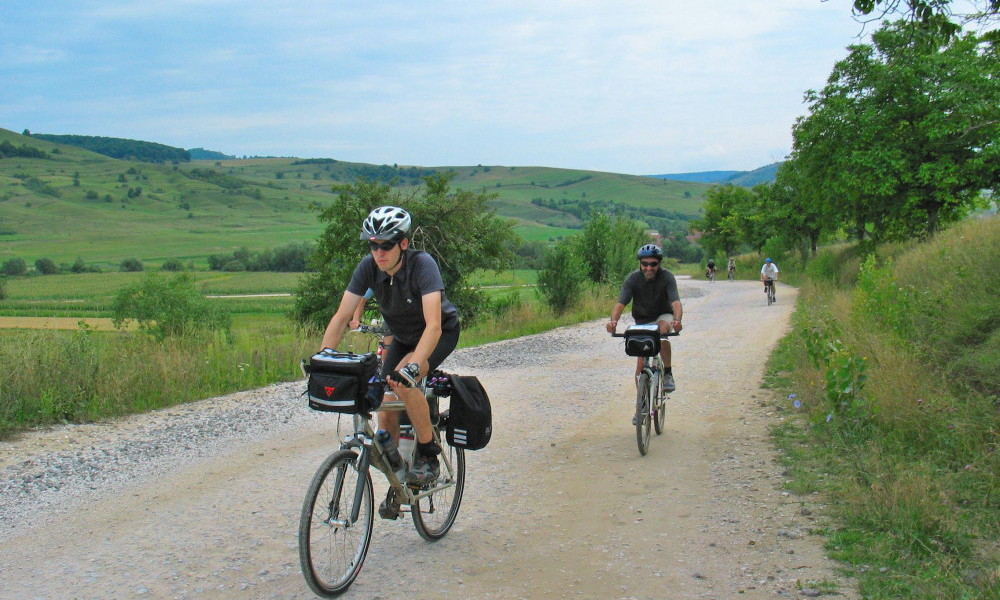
{"points": [[559, 280], [15, 267], [905, 134], [724, 226], [167, 307], [172, 264], [458, 228], [935, 16], [131, 265], [46, 266], [607, 247]]}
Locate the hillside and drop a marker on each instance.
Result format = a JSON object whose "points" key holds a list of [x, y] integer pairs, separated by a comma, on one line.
{"points": [[764, 174], [76, 203]]}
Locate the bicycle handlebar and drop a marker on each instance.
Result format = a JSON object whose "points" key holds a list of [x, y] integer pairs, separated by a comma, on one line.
{"points": [[662, 335], [372, 329]]}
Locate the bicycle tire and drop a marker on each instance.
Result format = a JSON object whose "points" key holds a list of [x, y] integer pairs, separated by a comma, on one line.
{"points": [[331, 549], [434, 515], [770, 299], [659, 407], [642, 425]]}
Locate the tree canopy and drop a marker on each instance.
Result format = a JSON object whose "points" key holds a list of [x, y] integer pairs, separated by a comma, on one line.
{"points": [[458, 228]]}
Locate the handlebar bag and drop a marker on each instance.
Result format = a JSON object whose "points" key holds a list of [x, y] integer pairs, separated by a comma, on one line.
{"points": [[338, 381], [642, 340], [470, 417]]}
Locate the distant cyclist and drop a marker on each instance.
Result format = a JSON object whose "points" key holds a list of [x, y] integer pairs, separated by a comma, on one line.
{"points": [[710, 271], [768, 273], [732, 269], [654, 297]]}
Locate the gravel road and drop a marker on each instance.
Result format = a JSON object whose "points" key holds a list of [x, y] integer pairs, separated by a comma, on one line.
{"points": [[202, 501]]}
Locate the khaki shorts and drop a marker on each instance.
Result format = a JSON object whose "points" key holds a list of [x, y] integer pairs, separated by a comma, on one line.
{"points": [[667, 318]]}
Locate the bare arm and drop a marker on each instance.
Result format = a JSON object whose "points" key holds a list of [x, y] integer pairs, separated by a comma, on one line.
{"points": [[358, 313], [616, 313], [678, 312], [335, 329]]}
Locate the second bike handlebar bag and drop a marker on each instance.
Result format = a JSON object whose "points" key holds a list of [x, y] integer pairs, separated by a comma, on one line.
{"points": [[642, 340], [338, 381]]}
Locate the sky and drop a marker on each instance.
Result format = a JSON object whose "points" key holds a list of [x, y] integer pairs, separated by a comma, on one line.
{"points": [[639, 87]]}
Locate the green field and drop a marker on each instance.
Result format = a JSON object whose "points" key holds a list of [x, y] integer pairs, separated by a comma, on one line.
{"points": [[76, 204]]}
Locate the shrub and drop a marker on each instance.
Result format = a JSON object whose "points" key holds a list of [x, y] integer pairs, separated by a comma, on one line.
{"points": [[131, 265], [165, 308], [46, 266], [15, 267], [560, 281], [172, 264]]}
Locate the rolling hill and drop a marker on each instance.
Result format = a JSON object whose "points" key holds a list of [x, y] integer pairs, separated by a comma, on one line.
{"points": [[764, 174], [73, 203]]}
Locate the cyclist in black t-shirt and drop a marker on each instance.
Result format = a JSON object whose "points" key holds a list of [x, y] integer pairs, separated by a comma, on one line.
{"points": [[654, 297], [410, 292]]}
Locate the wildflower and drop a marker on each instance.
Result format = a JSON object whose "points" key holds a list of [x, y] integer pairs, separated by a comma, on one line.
{"points": [[797, 404], [829, 417], [792, 396]]}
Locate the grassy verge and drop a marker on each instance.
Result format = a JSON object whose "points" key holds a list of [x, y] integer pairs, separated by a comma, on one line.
{"points": [[54, 376], [891, 380]]}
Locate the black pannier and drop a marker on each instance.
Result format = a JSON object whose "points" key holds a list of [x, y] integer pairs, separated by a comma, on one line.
{"points": [[338, 381], [470, 417], [642, 340]]}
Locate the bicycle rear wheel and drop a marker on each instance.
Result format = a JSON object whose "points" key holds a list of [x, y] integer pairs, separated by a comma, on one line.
{"points": [[434, 515], [332, 547], [770, 294], [659, 406], [643, 417]]}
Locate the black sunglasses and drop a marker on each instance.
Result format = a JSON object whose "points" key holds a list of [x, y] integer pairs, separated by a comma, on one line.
{"points": [[383, 246], [647, 263]]}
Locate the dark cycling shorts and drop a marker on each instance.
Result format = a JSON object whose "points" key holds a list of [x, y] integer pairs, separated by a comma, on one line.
{"points": [[397, 350]]}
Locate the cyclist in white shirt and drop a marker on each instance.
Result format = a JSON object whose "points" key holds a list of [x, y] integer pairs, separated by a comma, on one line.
{"points": [[769, 272]]}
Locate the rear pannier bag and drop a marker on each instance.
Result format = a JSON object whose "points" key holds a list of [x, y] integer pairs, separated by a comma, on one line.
{"points": [[642, 340], [470, 418], [338, 381]]}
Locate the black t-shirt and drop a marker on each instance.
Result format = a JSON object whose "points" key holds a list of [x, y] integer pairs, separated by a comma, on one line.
{"points": [[649, 299], [399, 296]]}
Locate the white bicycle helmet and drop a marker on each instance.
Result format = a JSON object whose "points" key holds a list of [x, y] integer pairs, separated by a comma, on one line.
{"points": [[386, 223]]}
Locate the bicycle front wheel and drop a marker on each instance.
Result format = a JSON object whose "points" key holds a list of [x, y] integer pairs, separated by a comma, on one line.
{"points": [[333, 545], [643, 418], [434, 515]]}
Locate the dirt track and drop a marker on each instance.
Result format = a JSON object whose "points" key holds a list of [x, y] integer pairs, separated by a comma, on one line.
{"points": [[560, 505]]}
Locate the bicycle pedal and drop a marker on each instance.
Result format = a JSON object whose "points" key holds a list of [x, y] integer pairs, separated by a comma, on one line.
{"points": [[388, 511]]}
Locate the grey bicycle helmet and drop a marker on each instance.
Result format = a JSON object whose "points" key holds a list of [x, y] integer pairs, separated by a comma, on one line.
{"points": [[386, 223], [650, 251]]}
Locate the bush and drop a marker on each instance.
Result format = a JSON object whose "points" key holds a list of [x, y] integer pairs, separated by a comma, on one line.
{"points": [[15, 267], [165, 308], [131, 265], [46, 266], [172, 264], [561, 279]]}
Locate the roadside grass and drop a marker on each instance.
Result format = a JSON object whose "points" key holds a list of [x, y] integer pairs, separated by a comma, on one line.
{"points": [[57, 376], [889, 387]]}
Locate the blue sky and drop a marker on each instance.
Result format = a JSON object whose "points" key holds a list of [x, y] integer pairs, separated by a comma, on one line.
{"points": [[641, 87]]}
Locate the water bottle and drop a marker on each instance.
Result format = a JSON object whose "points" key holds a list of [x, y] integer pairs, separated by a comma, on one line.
{"points": [[391, 452], [407, 443]]}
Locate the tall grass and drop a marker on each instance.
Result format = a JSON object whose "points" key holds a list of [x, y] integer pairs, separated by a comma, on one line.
{"points": [[84, 375], [894, 373], [78, 376]]}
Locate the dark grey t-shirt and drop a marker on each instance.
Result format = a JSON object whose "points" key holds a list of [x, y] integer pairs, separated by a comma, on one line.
{"points": [[399, 296], [649, 299]]}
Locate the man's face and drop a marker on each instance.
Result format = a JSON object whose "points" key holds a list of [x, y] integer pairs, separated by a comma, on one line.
{"points": [[649, 267], [386, 253]]}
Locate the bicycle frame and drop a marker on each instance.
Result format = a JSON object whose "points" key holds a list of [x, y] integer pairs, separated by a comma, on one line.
{"points": [[362, 441]]}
